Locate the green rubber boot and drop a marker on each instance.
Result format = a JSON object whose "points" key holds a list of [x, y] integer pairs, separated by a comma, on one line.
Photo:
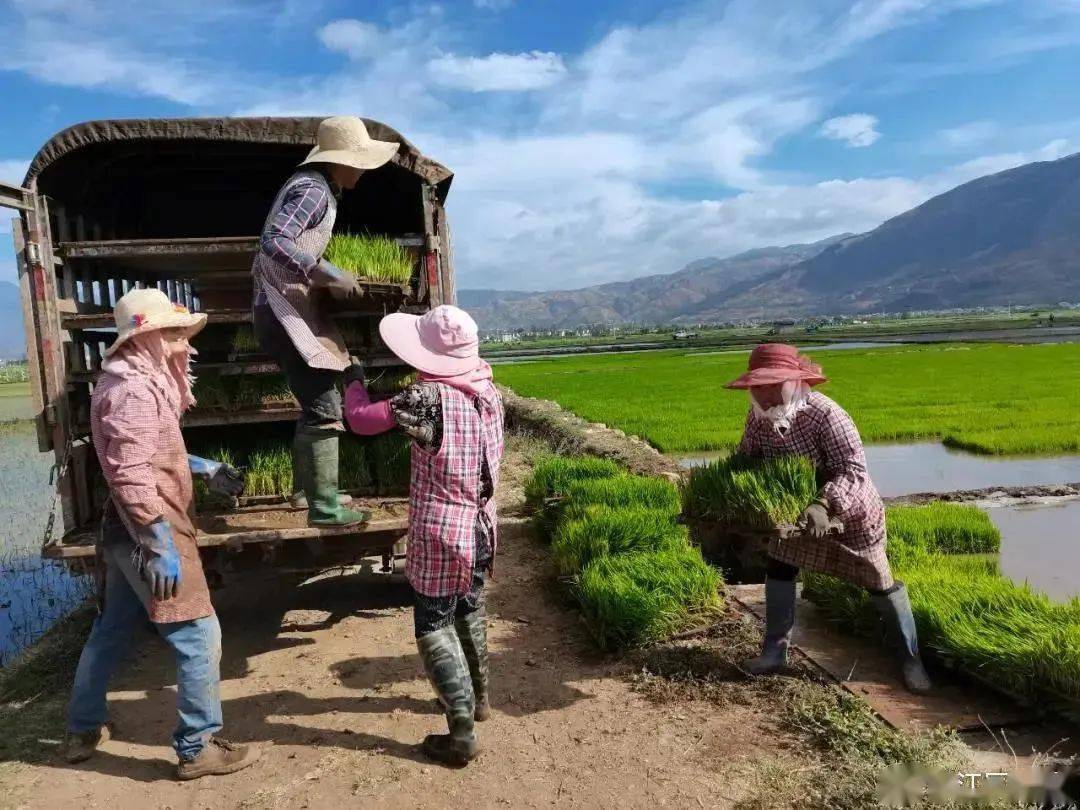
{"points": [[472, 631], [448, 671], [318, 450]]}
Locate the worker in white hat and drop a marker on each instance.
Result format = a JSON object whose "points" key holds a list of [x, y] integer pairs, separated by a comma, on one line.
{"points": [[290, 323]]}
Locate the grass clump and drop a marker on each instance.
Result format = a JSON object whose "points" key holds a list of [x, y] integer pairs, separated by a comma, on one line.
{"points": [[269, 471], [353, 464], [604, 532], [751, 492], [244, 340], [371, 257], [631, 599], [948, 528], [623, 491], [552, 475]]}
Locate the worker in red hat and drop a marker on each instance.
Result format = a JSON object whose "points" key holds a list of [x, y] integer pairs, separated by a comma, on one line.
{"points": [[788, 418]]}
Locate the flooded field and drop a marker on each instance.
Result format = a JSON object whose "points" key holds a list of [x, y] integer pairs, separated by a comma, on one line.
{"points": [[902, 469], [33, 592], [1040, 545]]}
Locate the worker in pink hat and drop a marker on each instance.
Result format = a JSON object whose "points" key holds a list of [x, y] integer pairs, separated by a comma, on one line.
{"points": [[788, 418], [454, 415]]}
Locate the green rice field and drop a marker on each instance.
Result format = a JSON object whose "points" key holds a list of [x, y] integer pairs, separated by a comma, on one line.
{"points": [[986, 398]]}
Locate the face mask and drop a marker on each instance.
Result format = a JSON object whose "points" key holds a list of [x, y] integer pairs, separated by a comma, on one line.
{"points": [[794, 393]]}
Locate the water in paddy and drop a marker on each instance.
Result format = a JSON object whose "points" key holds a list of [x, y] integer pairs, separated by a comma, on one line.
{"points": [[901, 469], [34, 592], [1040, 545]]}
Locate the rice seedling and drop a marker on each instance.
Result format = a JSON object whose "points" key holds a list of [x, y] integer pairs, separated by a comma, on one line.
{"points": [[269, 471], [750, 492], [252, 391], [551, 476], [631, 599], [244, 341], [901, 393], [390, 382], [603, 532], [371, 257], [622, 492], [945, 527], [391, 462], [211, 393], [353, 464]]}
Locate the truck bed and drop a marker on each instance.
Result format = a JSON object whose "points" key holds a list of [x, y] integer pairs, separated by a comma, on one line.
{"points": [[262, 523]]}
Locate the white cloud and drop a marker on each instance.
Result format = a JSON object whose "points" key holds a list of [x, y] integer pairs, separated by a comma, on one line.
{"points": [[13, 171], [493, 5], [973, 133], [498, 71], [855, 130], [358, 39]]}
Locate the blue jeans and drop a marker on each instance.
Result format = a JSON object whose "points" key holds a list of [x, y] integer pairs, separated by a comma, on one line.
{"points": [[196, 644]]}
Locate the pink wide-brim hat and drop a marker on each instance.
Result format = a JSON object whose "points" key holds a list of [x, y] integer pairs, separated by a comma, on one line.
{"points": [[444, 342], [774, 363]]}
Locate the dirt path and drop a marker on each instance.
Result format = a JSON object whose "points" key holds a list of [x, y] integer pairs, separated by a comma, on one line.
{"points": [[327, 675]]}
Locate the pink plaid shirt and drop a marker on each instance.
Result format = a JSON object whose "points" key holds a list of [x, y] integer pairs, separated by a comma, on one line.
{"points": [[823, 432], [136, 433], [445, 500]]}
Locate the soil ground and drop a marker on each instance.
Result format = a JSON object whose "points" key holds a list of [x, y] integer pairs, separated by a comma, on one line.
{"points": [[326, 677]]}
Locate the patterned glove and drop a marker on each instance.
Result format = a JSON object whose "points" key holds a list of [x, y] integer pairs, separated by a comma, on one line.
{"points": [[355, 373], [159, 561], [219, 476], [815, 520]]}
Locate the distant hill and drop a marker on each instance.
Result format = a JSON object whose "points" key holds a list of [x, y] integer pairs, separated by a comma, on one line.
{"points": [[1007, 238], [12, 341], [701, 286]]}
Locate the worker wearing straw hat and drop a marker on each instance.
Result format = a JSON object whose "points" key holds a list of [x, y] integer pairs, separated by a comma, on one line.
{"points": [[290, 324], [787, 418], [147, 548], [454, 415]]}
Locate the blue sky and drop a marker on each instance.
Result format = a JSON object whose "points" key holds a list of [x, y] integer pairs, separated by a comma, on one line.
{"points": [[592, 141]]}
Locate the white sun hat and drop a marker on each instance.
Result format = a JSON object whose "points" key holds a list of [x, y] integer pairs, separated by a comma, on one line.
{"points": [[140, 311], [344, 140]]}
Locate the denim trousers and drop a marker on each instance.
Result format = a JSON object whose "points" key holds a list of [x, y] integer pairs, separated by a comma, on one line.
{"points": [[196, 645]]}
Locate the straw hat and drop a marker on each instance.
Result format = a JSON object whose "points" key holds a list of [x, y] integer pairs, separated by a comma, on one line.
{"points": [[443, 342], [141, 311], [344, 140], [773, 363]]}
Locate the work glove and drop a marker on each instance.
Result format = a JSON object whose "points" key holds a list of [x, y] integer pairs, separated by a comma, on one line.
{"points": [[355, 373], [159, 561], [219, 476], [815, 520], [415, 427], [328, 276]]}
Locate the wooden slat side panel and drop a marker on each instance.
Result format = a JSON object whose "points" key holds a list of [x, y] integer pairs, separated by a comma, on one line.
{"points": [[446, 258], [30, 329]]}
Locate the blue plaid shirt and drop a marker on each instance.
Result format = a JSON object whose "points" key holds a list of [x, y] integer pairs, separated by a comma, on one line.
{"points": [[302, 208]]}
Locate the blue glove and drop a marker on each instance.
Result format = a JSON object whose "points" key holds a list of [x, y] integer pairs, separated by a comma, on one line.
{"points": [[219, 476], [160, 561]]}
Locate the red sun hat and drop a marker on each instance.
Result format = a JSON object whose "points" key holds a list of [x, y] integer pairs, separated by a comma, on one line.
{"points": [[774, 363]]}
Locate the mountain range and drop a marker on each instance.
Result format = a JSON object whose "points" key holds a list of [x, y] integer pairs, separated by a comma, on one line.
{"points": [[1006, 238], [12, 343]]}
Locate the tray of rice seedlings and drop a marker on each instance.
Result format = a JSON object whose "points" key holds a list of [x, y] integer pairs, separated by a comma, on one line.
{"points": [[946, 527], [211, 393], [370, 258], [391, 458], [603, 531], [269, 471], [389, 382], [751, 493], [632, 599], [620, 492], [552, 474], [243, 341], [267, 391], [354, 465]]}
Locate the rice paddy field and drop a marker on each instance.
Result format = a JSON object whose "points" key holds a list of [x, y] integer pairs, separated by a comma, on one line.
{"points": [[985, 398]]}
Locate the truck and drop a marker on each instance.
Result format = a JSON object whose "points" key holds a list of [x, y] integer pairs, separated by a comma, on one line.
{"points": [[178, 205]]}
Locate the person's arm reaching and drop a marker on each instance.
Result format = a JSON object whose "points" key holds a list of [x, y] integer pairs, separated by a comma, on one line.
{"points": [[848, 488], [303, 207], [365, 418]]}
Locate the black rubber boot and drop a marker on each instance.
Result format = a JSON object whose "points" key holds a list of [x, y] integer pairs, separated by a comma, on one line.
{"points": [[472, 631], [448, 671], [319, 451], [779, 622], [895, 609]]}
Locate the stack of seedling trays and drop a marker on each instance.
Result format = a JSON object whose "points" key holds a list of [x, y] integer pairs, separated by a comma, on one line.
{"points": [[738, 505]]}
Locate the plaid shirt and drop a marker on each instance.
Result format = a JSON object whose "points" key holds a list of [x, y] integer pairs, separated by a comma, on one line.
{"points": [[447, 496], [301, 208], [823, 432], [136, 434]]}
